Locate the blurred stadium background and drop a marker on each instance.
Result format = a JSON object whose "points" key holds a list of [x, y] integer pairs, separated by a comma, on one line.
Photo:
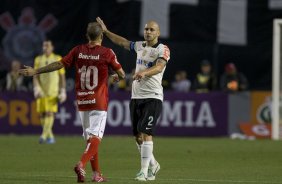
{"points": [[220, 31]]}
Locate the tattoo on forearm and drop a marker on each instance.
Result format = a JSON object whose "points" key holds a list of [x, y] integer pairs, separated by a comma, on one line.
{"points": [[50, 68], [161, 61]]}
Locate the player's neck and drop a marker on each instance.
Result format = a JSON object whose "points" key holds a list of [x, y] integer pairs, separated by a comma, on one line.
{"points": [[94, 43], [151, 43], [48, 54]]}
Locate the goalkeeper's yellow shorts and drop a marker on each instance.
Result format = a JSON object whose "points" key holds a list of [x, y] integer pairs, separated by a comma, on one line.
{"points": [[47, 104]]}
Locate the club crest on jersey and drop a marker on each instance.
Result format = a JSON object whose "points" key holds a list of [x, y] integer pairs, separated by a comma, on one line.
{"points": [[148, 64], [144, 53], [152, 53]]}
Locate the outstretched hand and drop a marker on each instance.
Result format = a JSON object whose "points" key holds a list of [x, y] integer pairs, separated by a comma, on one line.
{"points": [[100, 21], [115, 77], [27, 71]]}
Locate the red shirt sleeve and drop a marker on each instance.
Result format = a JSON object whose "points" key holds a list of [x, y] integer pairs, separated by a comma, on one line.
{"points": [[69, 59], [113, 62]]}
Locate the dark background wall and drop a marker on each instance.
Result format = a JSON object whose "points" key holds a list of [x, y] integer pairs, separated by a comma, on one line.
{"points": [[193, 33]]}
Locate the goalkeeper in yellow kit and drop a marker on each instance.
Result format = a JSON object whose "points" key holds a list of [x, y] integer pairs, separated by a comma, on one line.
{"points": [[49, 89]]}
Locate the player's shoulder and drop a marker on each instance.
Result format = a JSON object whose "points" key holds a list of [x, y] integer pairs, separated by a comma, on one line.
{"points": [[163, 49], [106, 50], [140, 43], [137, 45], [38, 57], [80, 47], [162, 46], [57, 55]]}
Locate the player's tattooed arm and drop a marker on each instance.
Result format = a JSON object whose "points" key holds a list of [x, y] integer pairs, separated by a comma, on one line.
{"points": [[161, 61], [157, 68], [29, 71], [50, 68]]}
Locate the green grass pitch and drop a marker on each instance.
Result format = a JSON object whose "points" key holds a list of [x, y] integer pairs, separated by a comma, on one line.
{"points": [[183, 160]]}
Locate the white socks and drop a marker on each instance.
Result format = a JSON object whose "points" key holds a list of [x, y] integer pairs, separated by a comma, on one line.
{"points": [[146, 155], [138, 147], [152, 160]]}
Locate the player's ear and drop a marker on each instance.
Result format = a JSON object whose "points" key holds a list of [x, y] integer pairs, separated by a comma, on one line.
{"points": [[102, 36]]}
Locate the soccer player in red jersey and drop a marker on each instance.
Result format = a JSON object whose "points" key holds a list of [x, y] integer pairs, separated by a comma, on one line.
{"points": [[92, 62]]}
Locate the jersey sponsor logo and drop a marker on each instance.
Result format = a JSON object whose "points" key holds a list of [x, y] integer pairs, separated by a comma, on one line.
{"points": [[139, 61], [148, 64], [92, 57], [85, 102], [83, 93]]}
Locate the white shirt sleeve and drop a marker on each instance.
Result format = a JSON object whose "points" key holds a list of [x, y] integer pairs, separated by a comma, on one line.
{"points": [[164, 52]]}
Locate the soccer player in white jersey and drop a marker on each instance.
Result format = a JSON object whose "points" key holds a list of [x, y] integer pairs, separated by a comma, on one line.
{"points": [[147, 91]]}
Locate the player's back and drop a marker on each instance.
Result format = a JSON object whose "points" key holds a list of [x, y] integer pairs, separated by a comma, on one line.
{"points": [[92, 66]]}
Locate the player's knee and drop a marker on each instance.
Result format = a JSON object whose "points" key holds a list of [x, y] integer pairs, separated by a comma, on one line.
{"points": [[143, 131], [92, 136], [147, 137]]}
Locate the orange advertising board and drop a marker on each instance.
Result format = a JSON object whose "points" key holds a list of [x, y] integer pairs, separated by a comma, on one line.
{"points": [[260, 107], [260, 131]]}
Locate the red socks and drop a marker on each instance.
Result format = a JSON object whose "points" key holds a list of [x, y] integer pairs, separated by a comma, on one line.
{"points": [[90, 152], [95, 163]]}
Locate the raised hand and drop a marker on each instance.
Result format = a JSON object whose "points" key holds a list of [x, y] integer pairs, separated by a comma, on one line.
{"points": [[100, 21], [27, 71]]}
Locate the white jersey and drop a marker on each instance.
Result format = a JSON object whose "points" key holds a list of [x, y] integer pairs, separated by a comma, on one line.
{"points": [[149, 87]]}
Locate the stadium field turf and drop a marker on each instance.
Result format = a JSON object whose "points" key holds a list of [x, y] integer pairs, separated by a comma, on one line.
{"points": [[183, 160]]}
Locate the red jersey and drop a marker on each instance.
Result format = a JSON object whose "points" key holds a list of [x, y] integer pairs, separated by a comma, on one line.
{"points": [[91, 81]]}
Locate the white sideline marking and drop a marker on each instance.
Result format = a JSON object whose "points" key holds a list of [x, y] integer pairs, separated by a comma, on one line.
{"points": [[174, 179]]}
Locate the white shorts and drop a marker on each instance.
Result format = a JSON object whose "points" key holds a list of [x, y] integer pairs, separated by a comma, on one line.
{"points": [[93, 123]]}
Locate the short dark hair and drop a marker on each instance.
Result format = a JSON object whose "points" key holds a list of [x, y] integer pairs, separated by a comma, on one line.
{"points": [[94, 30], [48, 40]]}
